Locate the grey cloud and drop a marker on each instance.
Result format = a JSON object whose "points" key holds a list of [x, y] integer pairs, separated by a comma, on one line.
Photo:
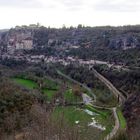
{"points": [[72, 4], [20, 3], [49, 4], [117, 5], [75, 5]]}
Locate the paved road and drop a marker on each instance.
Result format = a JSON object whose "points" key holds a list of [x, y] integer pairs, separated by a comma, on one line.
{"points": [[112, 88]]}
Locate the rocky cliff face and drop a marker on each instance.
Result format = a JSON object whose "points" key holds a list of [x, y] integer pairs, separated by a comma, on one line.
{"points": [[124, 42], [16, 40], [111, 37]]}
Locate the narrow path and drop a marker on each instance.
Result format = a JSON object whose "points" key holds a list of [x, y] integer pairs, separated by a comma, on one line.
{"points": [[86, 99], [116, 127]]}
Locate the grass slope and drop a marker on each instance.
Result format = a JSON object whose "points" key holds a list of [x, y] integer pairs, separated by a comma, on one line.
{"points": [[49, 93], [26, 82], [70, 97], [121, 119]]}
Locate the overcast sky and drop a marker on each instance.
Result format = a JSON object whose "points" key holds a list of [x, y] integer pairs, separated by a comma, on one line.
{"points": [[55, 13]]}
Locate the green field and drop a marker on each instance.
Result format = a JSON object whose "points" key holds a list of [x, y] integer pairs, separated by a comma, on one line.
{"points": [[49, 93], [26, 83], [73, 114], [103, 113], [51, 88], [104, 117], [70, 97]]}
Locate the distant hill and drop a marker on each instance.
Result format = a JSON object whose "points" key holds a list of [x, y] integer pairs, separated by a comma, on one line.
{"points": [[102, 43], [124, 37], [3, 30]]}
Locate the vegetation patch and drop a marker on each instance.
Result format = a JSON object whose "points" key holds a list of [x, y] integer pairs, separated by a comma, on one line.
{"points": [[105, 97], [103, 117], [121, 119], [51, 84], [72, 114], [26, 83], [78, 117], [71, 97], [103, 113], [49, 93]]}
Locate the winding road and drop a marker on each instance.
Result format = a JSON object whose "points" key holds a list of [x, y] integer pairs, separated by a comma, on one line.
{"points": [[116, 126], [112, 89], [122, 99]]}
